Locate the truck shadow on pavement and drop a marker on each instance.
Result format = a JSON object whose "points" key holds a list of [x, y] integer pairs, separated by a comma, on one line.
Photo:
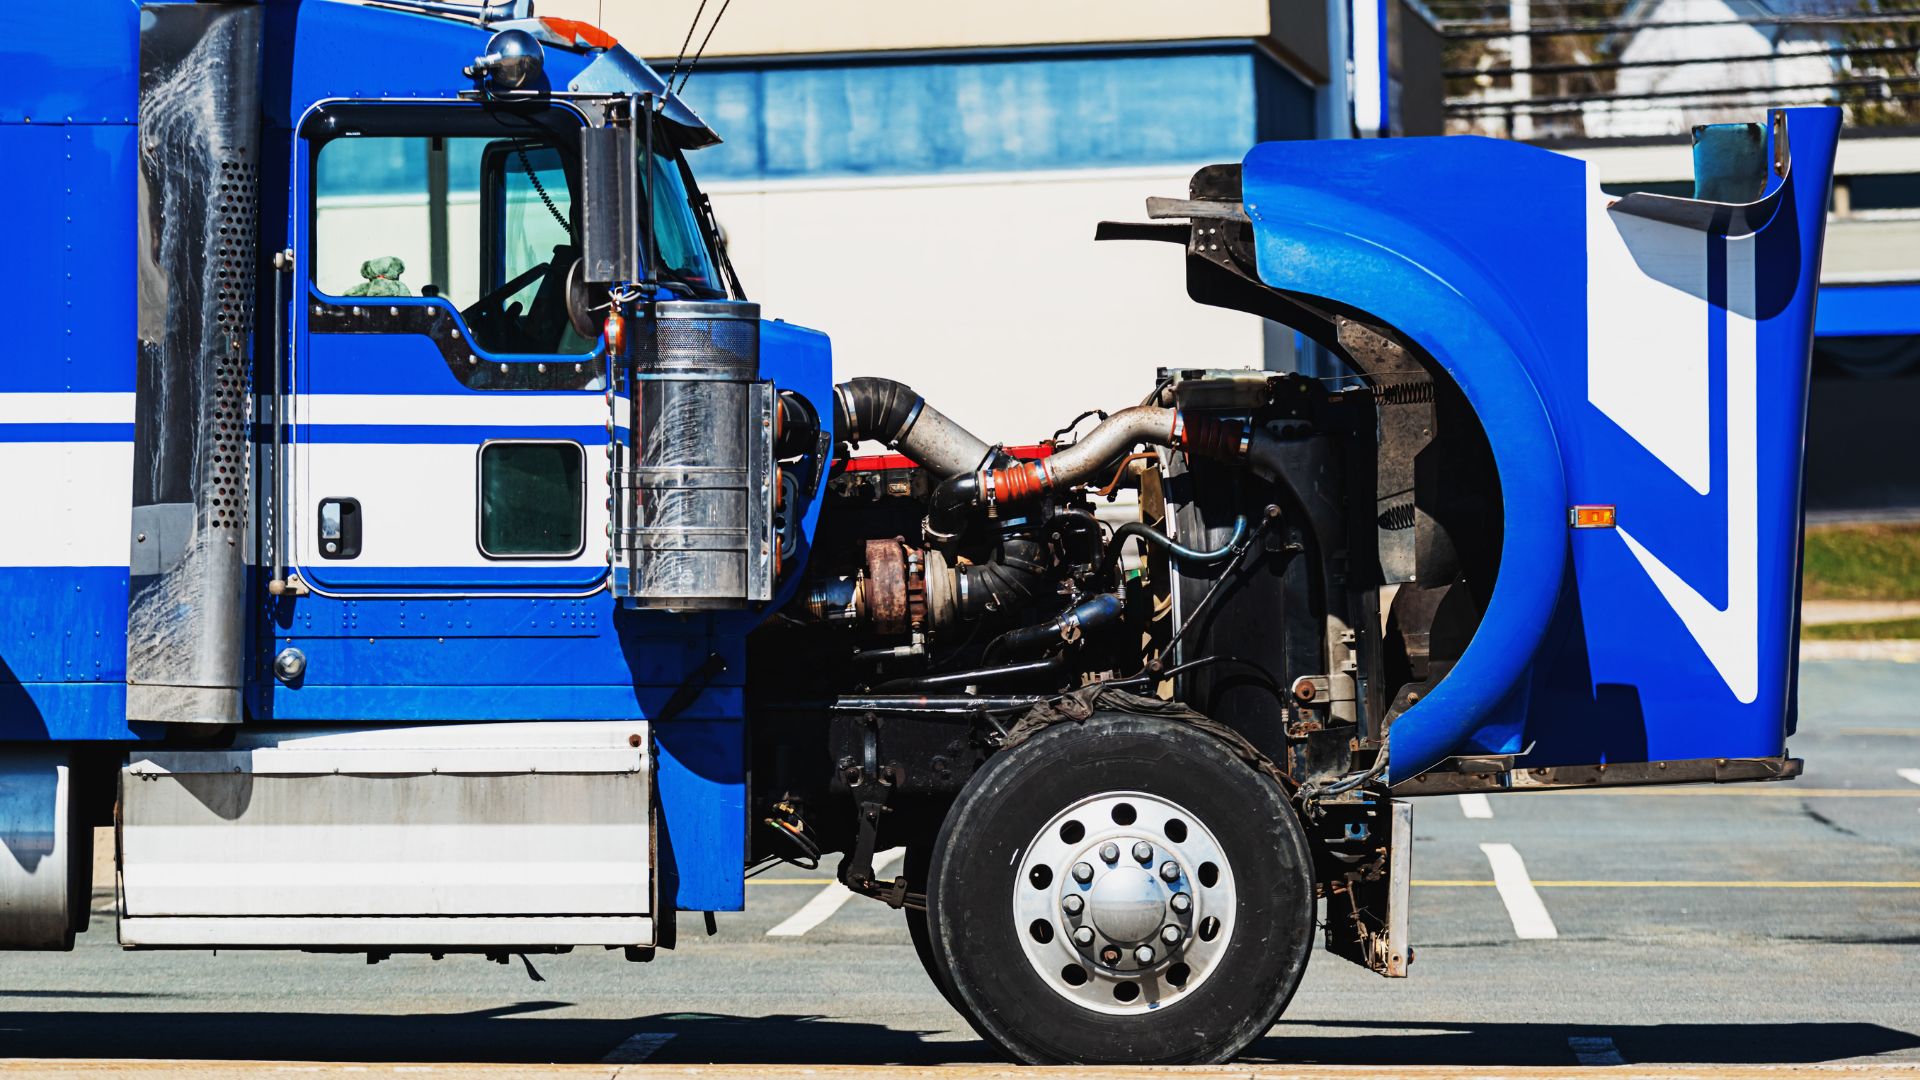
{"points": [[508, 1034], [520, 1033], [1376, 1042]]}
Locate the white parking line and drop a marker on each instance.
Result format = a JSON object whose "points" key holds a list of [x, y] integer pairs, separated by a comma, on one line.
{"points": [[1529, 915], [1594, 1050], [828, 900], [1475, 805], [1909, 774], [637, 1048]]}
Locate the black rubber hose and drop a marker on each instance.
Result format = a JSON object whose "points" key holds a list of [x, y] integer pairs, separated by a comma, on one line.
{"points": [[1009, 580], [1089, 614], [950, 507], [878, 409]]}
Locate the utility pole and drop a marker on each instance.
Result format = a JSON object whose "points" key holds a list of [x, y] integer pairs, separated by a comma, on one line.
{"points": [[1520, 58]]}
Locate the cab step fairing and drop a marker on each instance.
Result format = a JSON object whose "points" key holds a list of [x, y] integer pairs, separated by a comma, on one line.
{"points": [[427, 837], [1646, 353]]}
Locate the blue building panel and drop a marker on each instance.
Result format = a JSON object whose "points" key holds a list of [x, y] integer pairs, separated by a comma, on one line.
{"points": [[1890, 309], [1105, 109]]}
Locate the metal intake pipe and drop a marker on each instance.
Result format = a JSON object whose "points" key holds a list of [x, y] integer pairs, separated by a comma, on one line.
{"points": [[890, 412], [1210, 436]]}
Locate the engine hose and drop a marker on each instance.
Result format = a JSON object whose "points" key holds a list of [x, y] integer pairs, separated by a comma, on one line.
{"points": [[890, 412], [1151, 535], [953, 502], [1089, 614], [1009, 580]]}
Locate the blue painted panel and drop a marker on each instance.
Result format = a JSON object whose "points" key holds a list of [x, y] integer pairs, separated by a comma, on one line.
{"points": [[701, 775], [63, 646], [75, 62], [71, 712], [972, 114], [1491, 278], [1862, 310], [98, 272], [395, 55]]}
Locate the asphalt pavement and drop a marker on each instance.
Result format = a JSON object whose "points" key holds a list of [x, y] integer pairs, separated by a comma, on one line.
{"points": [[1727, 927]]}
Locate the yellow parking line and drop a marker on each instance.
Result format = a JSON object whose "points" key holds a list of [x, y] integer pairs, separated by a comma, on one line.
{"points": [[1470, 884]]}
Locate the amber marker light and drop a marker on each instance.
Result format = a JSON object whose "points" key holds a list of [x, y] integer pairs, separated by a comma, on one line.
{"points": [[1591, 517]]}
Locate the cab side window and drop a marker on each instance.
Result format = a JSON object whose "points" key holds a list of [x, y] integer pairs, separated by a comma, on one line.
{"points": [[484, 222]]}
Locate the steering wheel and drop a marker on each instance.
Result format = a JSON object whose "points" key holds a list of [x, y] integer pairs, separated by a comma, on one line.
{"points": [[495, 328]]}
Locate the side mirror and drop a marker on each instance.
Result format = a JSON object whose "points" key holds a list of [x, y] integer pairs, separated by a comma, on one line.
{"points": [[514, 59], [610, 213]]}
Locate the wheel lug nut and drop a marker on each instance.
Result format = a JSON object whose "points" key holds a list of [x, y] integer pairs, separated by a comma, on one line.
{"points": [[1082, 873], [1083, 936], [1143, 852], [1073, 904], [1170, 935], [1144, 954], [1181, 902], [1170, 871], [1109, 852]]}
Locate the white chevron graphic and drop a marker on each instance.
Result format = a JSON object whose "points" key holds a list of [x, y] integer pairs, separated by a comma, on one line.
{"points": [[1729, 636]]}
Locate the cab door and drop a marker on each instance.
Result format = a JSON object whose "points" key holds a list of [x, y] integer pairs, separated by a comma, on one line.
{"points": [[449, 423]]}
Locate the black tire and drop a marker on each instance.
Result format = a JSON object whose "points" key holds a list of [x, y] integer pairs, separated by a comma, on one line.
{"points": [[919, 858], [976, 943]]}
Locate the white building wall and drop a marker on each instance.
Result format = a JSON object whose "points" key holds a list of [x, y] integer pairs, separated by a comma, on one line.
{"points": [[987, 293]]}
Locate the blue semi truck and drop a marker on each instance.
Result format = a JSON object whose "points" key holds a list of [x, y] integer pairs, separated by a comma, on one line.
{"points": [[523, 594]]}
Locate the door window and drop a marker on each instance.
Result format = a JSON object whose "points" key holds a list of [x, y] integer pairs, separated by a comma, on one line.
{"points": [[532, 499], [484, 222]]}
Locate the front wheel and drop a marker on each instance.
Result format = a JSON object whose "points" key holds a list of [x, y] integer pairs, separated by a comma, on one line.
{"points": [[1121, 891]]}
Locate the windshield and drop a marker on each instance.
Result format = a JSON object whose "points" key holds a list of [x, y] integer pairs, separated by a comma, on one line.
{"points": [[681, 246]]}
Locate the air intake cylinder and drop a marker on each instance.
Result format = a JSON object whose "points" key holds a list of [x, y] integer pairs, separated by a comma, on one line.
{"points": [[693, 525]]}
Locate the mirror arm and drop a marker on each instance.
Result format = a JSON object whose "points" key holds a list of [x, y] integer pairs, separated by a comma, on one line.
{"points": [[650, 251]]}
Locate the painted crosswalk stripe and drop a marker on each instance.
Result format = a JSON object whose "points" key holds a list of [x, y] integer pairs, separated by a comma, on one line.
{"points": [[1474, 804], [1594, 1050], [828, 900], [1910, 774], [637, 1048], [1524, 907]]}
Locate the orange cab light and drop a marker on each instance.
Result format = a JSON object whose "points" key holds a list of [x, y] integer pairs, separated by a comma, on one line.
{"points": [[581, 34], [615, 331], [1592, 517]]}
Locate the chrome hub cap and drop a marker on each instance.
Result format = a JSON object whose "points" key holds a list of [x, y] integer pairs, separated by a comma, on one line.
{"points": [[1128, 905], [1124, 901]]}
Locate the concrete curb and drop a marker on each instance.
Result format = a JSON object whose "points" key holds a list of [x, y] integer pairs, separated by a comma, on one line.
{"points": [[1899, 651], [1825, 612]]}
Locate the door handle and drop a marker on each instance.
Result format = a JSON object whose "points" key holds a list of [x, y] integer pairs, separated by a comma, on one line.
{"points": [[339, 528]]}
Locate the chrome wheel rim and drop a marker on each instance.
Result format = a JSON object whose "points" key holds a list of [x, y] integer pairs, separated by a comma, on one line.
{"points": [[1124, 902]]}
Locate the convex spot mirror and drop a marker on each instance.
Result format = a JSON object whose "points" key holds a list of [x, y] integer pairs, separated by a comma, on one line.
{"points": [[514, 60]]}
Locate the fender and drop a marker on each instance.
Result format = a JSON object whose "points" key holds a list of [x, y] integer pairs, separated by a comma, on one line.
{"points": [[1404, 278]]}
